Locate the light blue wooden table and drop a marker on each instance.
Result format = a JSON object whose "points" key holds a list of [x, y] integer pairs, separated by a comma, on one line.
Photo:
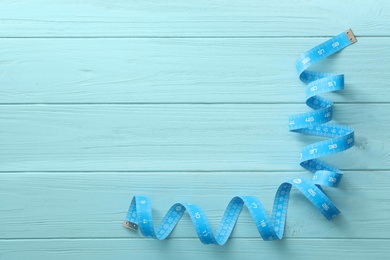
{"points": [[103, 100]]}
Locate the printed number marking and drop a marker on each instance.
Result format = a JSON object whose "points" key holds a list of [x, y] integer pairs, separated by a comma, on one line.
{"points": [[305, 60], [310, 119], [297, 181], [312, 192]]}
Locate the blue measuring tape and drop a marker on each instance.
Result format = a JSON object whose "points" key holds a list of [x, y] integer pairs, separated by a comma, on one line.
{"points": [[316, 123]]}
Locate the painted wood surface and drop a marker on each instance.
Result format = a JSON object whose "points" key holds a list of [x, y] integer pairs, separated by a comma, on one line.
{"points": [[183, 101], [305, 249], [80, 205], [202, 18], [204, 70], [234, 137]]}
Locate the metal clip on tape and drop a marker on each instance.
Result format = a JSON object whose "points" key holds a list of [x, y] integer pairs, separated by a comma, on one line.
{"points": [[312, 123], [130, 225]]}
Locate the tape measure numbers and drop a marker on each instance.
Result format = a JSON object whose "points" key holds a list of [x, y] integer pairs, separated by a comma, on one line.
{"points": [[139, 214]]}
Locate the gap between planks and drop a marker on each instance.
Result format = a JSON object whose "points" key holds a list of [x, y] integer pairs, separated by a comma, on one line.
{"points": [[182, 103], [181, 171], [190, 238], [183, 37]]}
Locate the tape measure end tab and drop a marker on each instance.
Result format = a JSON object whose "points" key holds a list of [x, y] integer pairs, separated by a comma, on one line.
{"points": [[351, 36], [130, 225]]}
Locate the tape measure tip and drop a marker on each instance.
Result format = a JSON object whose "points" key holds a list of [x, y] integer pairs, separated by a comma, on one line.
{"points": [[130, 225], [351, 36]]}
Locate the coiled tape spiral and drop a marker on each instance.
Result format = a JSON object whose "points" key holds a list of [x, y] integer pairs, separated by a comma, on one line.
{"points": [[311, 123]]}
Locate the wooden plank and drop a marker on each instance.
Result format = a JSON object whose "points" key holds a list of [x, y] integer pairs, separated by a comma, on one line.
{"points": [[192, 249], [201, 18], [178, 137], [93, 205], [181, 70]]}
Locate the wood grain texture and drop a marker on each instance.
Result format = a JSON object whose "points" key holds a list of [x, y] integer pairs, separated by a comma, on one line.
{"points": [[183, 101], [302, 249], [181, 70], [93, 205], [178, 137], [192, 18]]}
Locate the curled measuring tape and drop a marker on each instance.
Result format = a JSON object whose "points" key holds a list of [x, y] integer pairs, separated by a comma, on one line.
{"points": [[139, 214]]}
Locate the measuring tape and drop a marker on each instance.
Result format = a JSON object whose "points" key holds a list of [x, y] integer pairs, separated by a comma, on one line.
{"points": [[316, 123]]}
